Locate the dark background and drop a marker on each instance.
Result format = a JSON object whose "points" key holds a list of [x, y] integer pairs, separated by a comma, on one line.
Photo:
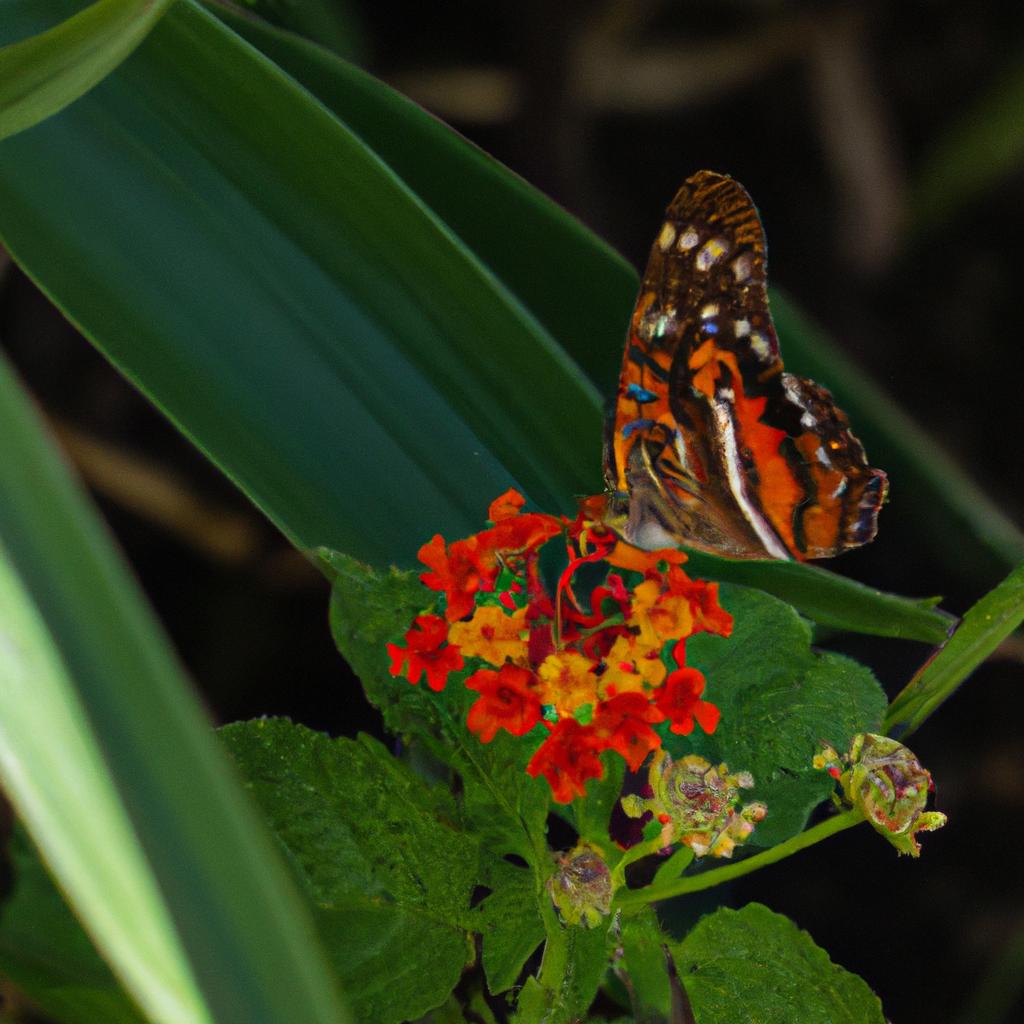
{"points": [[884, 145]]}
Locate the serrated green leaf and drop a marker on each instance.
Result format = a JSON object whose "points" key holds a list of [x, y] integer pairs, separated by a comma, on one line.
{"points": [[990, 621], [509, 922], [392, 882], [43, 74], [778, 699], [752, 964], [45, 952]]}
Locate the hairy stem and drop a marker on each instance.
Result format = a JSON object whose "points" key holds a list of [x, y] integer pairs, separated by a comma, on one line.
{"points": [[628, 899]]}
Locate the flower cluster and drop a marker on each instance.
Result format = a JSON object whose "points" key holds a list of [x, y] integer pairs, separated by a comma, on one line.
{"points": [[593, 651]]}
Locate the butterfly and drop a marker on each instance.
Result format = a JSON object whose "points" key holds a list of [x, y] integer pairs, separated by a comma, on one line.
{"points": [[711, 443]]}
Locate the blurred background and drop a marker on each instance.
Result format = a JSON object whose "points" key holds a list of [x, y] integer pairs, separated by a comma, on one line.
{"points": [[884, 146]]}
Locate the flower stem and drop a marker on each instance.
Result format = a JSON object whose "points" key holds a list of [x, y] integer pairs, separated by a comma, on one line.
{"points": [[628, 899]]}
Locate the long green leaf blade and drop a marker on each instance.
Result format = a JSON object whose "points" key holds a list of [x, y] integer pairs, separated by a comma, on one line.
{"points": [[287, 301], [832, 600], [42, 75], [88, 667], [990, 621], [54, 773]]}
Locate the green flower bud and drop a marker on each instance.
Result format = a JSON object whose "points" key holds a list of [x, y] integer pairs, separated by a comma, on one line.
{"points": [[886, 781], [581, 887]]}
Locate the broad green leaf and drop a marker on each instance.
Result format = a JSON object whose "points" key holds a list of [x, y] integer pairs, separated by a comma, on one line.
{"points": [[985, 626], [42, 75], [44, 951], [287, 301], [578, 961], [575, 284], [111, 764], [752, 964], [391, 880], [592, 814], [509, 921], [829, 599], [503, 804], [778, 699]]}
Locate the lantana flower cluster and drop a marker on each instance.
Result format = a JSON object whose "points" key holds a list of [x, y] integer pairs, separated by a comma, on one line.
{"points": [[595, 663]]}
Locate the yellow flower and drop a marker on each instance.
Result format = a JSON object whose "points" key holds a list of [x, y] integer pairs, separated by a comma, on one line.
{"points": [[630, 665], [661, 617], [567, 681], [493, 635]]}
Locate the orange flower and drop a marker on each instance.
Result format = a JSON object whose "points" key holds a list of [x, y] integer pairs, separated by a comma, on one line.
{"points": [[567, 681], [625, 556], [507, 701], [631, 665], [492, 635], [567, 758], [423, 653], [708, 614], [621, 724], [660, 616], [679, 701]]}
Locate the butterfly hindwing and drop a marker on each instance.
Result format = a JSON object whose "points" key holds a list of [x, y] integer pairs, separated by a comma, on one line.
{"points": [[712, 444]]}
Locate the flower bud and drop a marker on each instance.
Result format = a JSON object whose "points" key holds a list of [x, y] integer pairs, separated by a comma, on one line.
{"points": [[886, 781], [581, 887]]}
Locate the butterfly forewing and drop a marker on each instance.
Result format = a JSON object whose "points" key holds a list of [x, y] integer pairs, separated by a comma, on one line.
{"points": [[712, 444]]}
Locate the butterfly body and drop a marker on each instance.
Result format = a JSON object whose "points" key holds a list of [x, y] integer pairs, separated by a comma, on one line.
{"points": [[712, 444]]}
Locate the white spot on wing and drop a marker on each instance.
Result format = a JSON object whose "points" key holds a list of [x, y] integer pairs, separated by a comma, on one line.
{"points": [[710, 310], [761, 345], [687, 240], [710, 253], [741, 266], [741, 328], [667, 237]]}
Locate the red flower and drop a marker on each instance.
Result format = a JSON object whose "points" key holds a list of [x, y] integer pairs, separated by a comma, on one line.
{"points": [[679, 701], [567, 758], [423, 653], [708, 614], [507, 701], [621, 724], [508, 505]]}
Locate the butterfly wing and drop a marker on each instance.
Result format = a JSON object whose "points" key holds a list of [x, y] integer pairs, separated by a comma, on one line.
{"points": [[711, 443]]}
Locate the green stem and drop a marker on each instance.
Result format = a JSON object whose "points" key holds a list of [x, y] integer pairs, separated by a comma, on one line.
{"points": [[638, 898]]}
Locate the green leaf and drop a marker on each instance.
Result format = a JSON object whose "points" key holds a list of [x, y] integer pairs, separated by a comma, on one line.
{"points": [[112, 765], [749, 964], [42, 75], [44, 951], [592, 813], [573, 282], [831, 600], [509, 921], [985, 626], [391, 880], [778, 699], [327, 341]]}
